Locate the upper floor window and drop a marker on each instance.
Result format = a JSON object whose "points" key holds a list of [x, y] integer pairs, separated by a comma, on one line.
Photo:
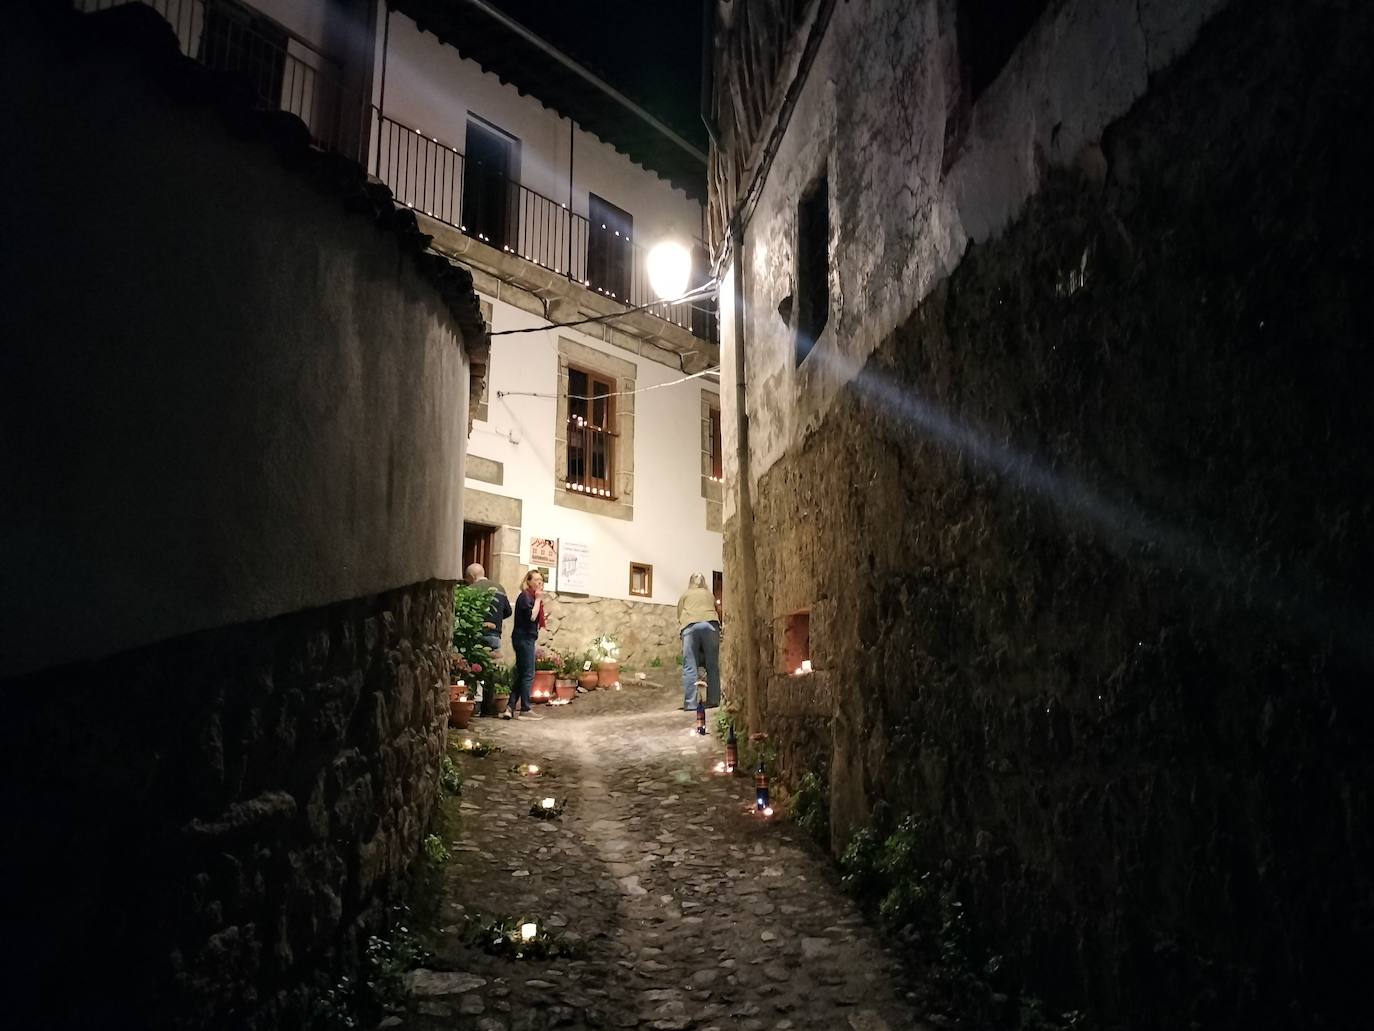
{"points": [[609, 252], [813, 266], [591, 433], [490, 196]]}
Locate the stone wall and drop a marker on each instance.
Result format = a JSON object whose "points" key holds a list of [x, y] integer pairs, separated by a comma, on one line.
{"points": [[1084, 547], [232, 810], [645, 631]]}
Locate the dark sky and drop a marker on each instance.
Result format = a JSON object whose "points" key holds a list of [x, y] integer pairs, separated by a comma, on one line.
{"points": [[650, 50]]}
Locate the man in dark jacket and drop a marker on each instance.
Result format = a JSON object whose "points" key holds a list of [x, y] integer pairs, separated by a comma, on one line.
{"points": [[500, 606]]}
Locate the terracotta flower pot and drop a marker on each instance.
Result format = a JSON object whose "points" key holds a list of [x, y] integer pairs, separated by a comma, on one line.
{"points": [[608, 674], [542, 688], [567, 690], [460, 712], [587, 680], [494, 705]]}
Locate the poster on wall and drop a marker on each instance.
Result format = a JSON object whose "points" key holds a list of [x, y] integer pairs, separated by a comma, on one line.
{"points": [[574, 568], [544, 552]]}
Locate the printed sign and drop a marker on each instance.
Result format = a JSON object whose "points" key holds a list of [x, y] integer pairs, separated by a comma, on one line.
{"points": [[543, 551], [574, 568]]}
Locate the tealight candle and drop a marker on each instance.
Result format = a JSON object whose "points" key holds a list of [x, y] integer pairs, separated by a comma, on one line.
{"points": [[806, 666], [467, 742], [548, 803], [528, 931], [531, 768], [768, 810]]}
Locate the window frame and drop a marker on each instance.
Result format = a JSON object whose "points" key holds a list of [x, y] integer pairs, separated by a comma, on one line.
{"points": [[604, 487], [648, 571]]}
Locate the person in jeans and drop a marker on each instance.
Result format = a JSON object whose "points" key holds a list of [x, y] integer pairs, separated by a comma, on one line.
{"points": [[500, 606], [700, 624], [529, 620]]}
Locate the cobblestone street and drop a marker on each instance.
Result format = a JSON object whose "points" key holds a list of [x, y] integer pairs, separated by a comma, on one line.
{"points": [[693, 913]]}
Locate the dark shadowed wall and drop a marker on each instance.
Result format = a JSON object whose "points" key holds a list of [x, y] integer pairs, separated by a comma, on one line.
{"points": [[1084, 540], [234, 425]]}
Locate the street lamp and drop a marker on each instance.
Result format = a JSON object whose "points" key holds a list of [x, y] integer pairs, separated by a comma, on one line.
{"points": [[670, 267]]}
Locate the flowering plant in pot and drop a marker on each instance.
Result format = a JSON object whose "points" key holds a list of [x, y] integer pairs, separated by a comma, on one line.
{"points": [[460, 706], [547, 663], [607, 651]]}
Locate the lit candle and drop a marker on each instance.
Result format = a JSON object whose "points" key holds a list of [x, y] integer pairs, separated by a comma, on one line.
{"points": [[528, 931], [761, 787], [806, 666], [531, 768], [701, 716], [467, 742], [768, 810], [548, 803]]}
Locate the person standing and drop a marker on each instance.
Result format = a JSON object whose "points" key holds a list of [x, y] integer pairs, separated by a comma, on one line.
{"points": [[529, 620], [700, 626], [500, 606]]}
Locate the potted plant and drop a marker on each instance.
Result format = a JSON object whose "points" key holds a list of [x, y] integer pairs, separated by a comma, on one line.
{"points": [[586, 672], [547, 663], [496, 696], [566, 685], [460, 706], [607, 652]]}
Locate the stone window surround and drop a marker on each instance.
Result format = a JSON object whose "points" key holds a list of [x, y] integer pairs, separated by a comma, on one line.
{"points": [[712, 490], [622, 374]]}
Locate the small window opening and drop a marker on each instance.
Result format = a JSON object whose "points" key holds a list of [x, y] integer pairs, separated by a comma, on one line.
{"points": [[641, 579], [796, 643], [813, 266]]}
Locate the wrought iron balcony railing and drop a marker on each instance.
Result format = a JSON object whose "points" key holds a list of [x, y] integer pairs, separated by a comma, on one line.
{"points": [[287, 73]]}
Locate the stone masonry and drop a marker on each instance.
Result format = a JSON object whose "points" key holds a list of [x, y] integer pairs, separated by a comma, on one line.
{"points": [[645, 631], [237, 807], [1084, 548]]}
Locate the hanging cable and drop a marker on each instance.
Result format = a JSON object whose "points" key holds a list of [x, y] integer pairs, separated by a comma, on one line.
{"points": [[618, 393], [702, 291]]}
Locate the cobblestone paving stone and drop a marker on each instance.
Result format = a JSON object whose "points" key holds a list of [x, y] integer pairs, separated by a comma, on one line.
{"points": [[695, 914]]}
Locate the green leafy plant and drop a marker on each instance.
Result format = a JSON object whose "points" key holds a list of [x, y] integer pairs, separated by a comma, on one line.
{"points": [[470, 659], [605, 649], [656, 662], [435, 849], [452, 780], [811, 807], [547, 659], [500, 680]]}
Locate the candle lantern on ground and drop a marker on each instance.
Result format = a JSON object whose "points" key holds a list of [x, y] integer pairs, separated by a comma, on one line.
{"points": [[731, 751], [761, 787], [701, 716]]}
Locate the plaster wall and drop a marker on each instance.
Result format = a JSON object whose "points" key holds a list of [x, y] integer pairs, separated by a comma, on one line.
{"points": [[431, 88], [234, 401], [668, 527], [872, 117]]}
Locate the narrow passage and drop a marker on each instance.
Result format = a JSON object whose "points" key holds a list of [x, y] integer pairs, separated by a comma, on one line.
{"points": [[691, 913]]}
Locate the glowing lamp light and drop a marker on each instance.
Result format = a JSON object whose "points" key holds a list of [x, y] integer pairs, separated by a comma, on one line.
{"points": [[548, 803], [670, 266], [528, 931]]}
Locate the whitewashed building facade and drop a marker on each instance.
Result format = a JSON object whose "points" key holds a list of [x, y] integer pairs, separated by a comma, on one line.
{"points": [[551, 187]]}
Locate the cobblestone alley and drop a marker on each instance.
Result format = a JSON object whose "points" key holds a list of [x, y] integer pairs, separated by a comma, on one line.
{"points": [[691, 912]]}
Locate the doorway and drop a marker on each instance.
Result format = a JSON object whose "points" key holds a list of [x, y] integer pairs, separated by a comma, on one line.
{"points": [[477, 545], [489, 191]]}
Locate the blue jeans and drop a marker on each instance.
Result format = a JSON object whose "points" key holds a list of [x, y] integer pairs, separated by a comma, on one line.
{"points": [[523, 679], [700, 654]]}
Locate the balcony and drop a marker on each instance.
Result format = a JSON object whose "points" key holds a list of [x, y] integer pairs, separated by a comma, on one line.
{"points": [[434, 178], [287, 73]]}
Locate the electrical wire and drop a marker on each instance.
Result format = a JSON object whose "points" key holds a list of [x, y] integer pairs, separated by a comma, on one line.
{"points": [[706, 289], [618, 393]]}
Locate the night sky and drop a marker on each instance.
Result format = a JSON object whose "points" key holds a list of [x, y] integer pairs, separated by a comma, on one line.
{"points": [[650, 50]]}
